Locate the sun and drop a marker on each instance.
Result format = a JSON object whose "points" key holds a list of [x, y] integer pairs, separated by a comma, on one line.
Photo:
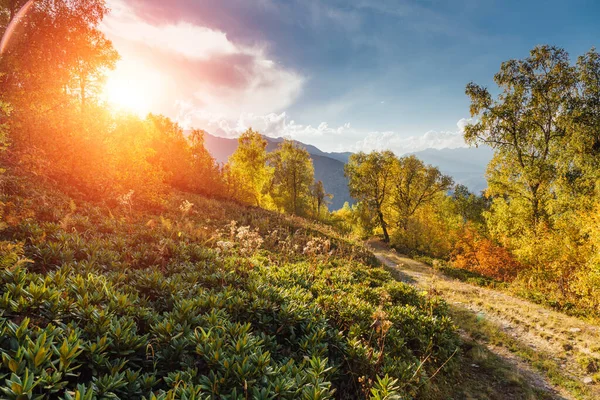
{"points": [[125, 95], [133, 88]]}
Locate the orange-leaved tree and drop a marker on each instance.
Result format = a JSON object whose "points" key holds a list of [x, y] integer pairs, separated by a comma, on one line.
{"points": [[477, 253]]}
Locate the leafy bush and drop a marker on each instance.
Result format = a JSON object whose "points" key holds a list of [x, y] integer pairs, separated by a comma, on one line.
{"points": [[479, 254]]}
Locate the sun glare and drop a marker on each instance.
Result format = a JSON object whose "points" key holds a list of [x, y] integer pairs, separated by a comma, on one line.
{"points": [[133, 89]]}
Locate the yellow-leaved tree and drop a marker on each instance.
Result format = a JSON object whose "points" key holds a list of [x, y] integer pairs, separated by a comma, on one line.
{"points": [[249, 170], [293, 175]]}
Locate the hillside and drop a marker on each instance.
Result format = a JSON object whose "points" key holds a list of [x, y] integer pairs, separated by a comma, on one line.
{"points": [[202, 298], [137, 263]]}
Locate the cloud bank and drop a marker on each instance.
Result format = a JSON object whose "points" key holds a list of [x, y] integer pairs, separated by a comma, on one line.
{"points": [[272, 125], [402, 145], [201, 69]]}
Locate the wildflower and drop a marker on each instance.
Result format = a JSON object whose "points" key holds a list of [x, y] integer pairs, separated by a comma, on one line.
{"points": [[317, 246], [224, 246], [249, 240], [186, 207], [126, 199]]}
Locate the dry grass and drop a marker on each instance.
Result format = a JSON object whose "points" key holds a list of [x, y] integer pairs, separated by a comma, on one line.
{"points": [[562, 350]]}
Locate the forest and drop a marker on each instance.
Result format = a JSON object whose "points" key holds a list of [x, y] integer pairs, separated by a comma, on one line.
{"points": [[134, 266]]}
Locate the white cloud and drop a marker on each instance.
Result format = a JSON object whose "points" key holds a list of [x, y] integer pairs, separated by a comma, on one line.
{"points": [[399, 144], [203, 68], [183, 38], [272, 125], [464, 122], [322, 135], [202, 78]]}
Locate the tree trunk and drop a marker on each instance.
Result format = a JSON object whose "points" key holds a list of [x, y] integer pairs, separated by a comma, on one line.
{"points": [[294, 194], [386, 236], [535, 204]]}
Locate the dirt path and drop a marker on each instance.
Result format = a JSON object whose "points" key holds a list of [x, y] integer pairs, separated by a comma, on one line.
{"points": [[547, 353]]}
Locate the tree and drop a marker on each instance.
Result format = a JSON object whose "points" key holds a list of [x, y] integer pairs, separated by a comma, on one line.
{"points": [[580, 158], [526, 125], [469, 206], [131, 158], [544, 126], [415, 185], [249, 163], [587, 107], [293, 175], [370, 181], [4, 115], [8, 10], [170, 151], [53, 66], [92, 56], [321, 197], [206, 177]]}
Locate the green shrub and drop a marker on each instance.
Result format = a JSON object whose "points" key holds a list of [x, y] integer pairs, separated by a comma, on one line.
{"points": [[100, 305]]}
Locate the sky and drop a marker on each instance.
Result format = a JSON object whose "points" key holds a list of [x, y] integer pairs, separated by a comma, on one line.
{"points": [[344, 75]]}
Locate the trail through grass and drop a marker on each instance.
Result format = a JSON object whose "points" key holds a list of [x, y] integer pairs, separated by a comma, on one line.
{"points": [[513, 348]]}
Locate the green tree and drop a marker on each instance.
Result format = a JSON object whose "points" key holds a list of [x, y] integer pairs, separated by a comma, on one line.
{"points": [[543, 179], [370, 181], [587, 107], [293, 175], [415, 185], [320, 196], [468, 205], [249, 164], [580, 158], [526, 125]]}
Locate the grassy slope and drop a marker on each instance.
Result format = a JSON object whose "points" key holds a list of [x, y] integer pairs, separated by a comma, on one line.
{"points": [[174, 302]]}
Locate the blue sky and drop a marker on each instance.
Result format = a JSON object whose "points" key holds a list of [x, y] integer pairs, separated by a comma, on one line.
{"points": [[343, 75]]}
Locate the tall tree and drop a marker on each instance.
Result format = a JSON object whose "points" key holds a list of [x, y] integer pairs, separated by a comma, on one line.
{"points": [[526, 125], [54, 63], [415, 185], [4, 114], [587, 108], [249, 163], [320, 196], [93, 55], [370, 181], [293, 175], [205, 177], [580, 164]]}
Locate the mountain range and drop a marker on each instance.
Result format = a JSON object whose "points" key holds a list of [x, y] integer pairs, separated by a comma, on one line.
{"points": [[466, 165]]}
